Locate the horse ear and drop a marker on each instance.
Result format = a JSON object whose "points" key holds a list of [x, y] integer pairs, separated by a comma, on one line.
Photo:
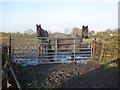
{"points": [[86, 26], [39, 25], [36, 25]]}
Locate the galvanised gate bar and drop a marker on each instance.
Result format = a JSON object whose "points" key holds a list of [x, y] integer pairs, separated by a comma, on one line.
{"points": [[44, 50]]}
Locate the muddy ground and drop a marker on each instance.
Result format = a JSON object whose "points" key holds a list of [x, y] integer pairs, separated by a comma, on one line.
{"points": [[90, 75]]}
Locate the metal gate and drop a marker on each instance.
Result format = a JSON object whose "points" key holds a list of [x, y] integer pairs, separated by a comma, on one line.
{"points": [[32, 51]]}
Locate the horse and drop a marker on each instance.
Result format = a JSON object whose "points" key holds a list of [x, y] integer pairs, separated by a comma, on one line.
{"points": [[43, 33]]}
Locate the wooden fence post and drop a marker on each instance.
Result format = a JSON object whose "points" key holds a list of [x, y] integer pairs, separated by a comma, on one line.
{"points": [[102, 52], [10, 46], [15, 78]]}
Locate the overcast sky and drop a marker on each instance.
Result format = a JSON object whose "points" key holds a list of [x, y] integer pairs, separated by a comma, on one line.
{"points": [[58, 16]]}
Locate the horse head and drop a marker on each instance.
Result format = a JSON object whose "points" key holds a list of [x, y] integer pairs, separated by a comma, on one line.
{"points": [[85, 32], [38, 29]]}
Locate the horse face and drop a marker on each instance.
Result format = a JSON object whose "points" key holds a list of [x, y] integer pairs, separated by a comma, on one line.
{"points": [[85, 32], [38, 29]]}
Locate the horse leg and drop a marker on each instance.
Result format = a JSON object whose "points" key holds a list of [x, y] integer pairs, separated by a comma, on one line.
{"points": [[45, 51], [41, 49], [50, 52]]}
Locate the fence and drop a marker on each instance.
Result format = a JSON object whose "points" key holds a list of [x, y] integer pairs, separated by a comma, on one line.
{"points": [[107, 51], [32, 51], [6, 64]]}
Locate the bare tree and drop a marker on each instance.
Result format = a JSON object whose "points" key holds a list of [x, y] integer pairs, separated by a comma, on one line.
{"points": [[76, 31], [29, 31], [67, 31]]}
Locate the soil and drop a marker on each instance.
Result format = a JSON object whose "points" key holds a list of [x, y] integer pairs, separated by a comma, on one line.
{"points": [[69, 75]]}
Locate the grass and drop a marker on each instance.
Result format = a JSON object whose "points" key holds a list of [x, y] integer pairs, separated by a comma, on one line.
{"points": [[103, 62]]}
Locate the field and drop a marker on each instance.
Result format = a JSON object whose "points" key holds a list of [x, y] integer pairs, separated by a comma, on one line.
{"points": [[98, 73]]}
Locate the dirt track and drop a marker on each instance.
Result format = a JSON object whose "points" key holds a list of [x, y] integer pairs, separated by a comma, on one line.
{"points": [[72, 75]]}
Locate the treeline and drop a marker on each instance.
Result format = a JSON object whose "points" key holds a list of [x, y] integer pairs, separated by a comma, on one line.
{"points": [[74, 30]]}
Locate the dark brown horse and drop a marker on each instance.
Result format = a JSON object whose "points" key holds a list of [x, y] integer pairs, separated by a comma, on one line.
{"points": [[43, 33], [85, 32]]}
